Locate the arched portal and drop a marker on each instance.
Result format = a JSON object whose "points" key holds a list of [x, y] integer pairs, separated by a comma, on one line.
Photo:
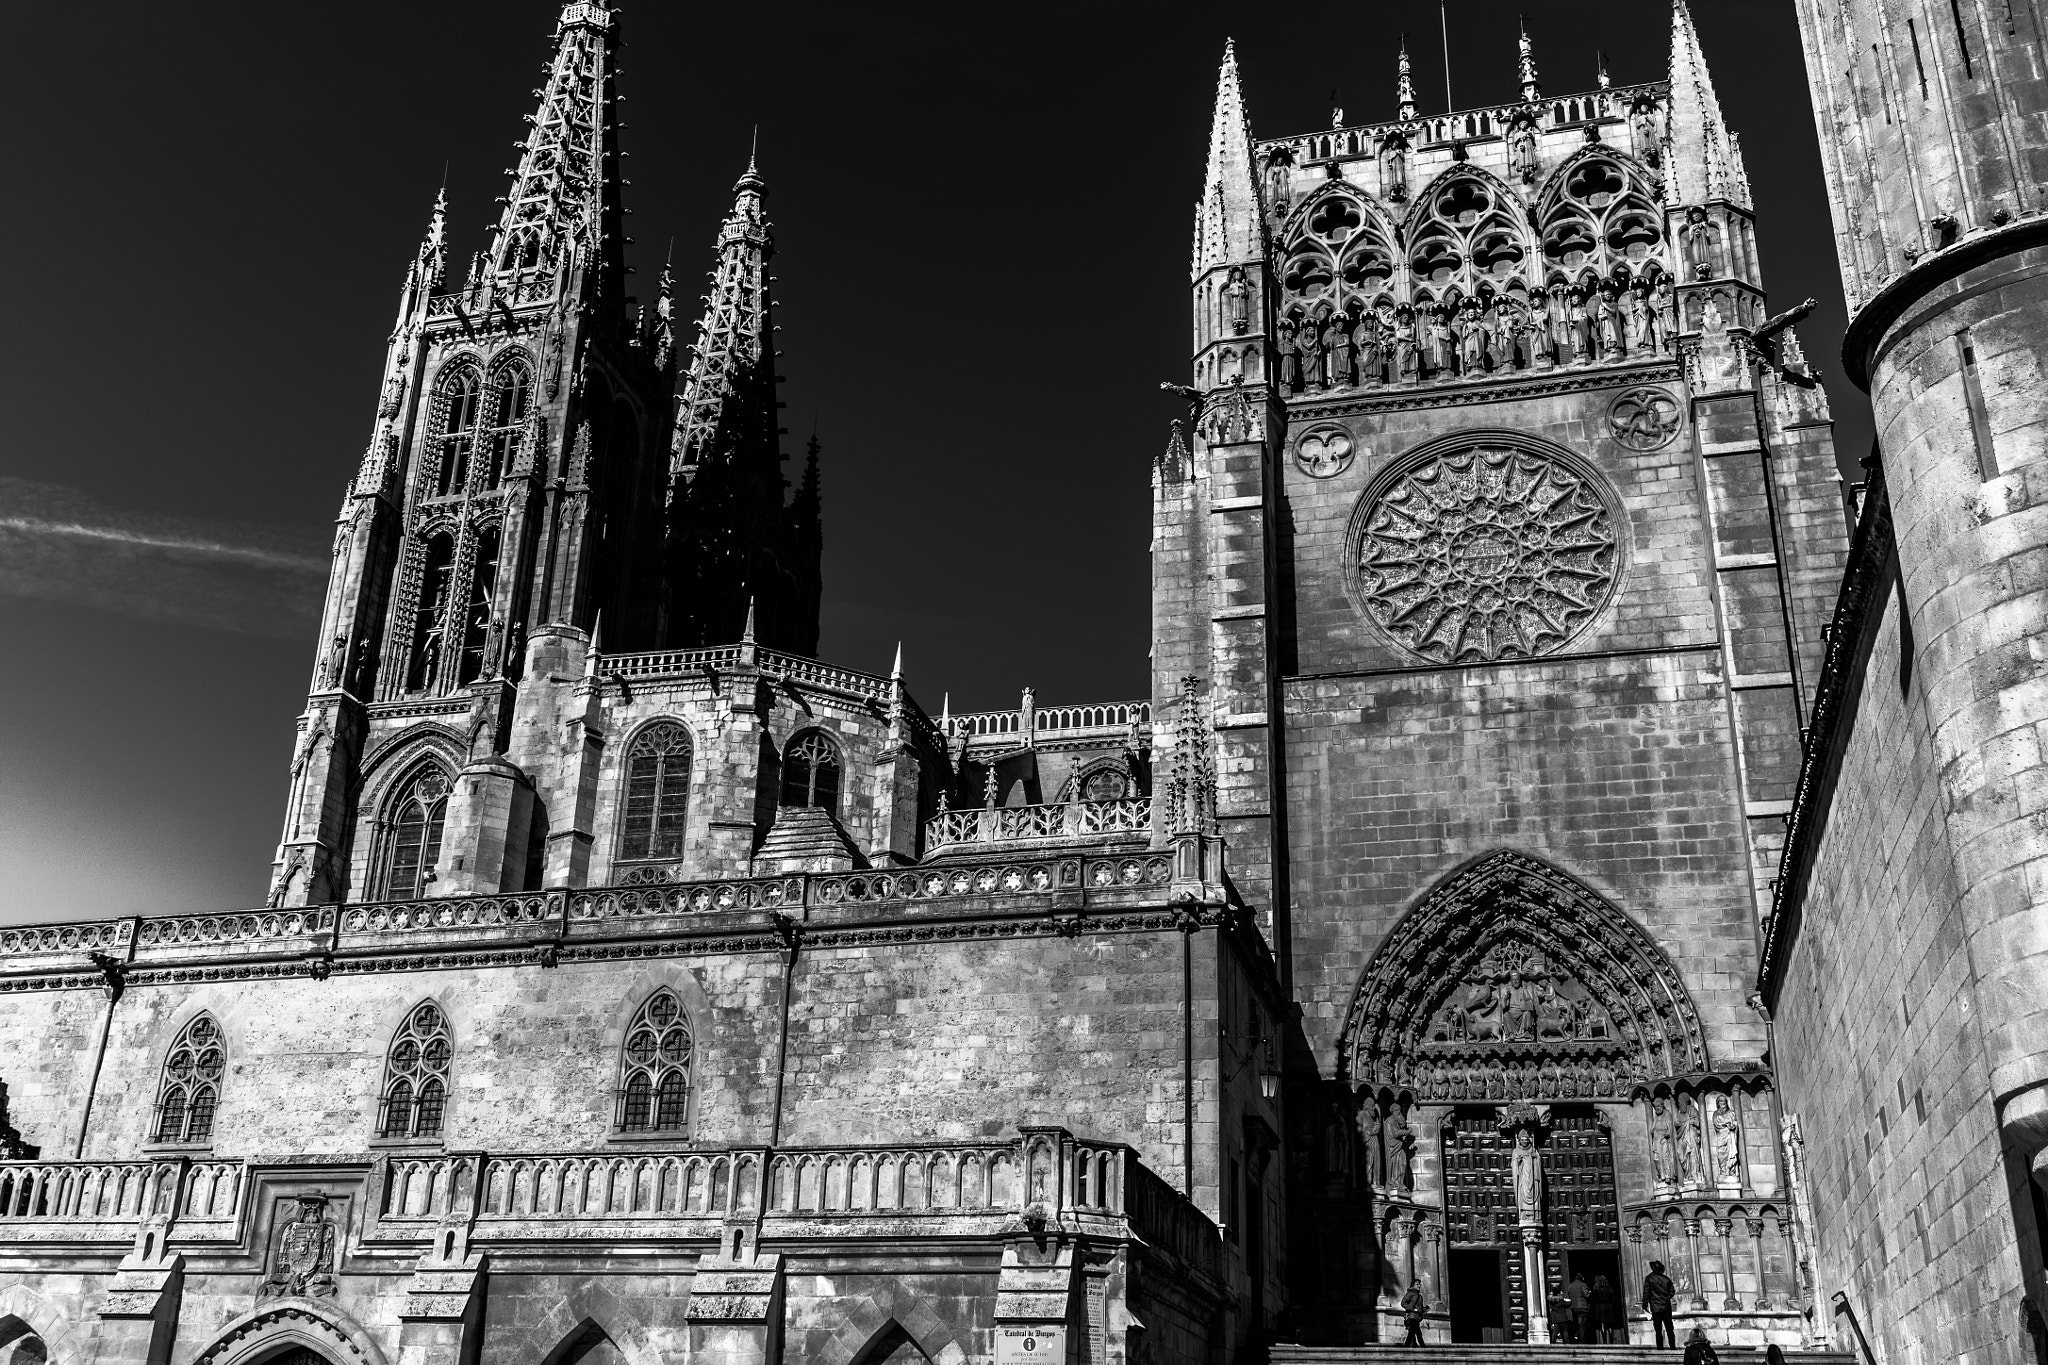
{"points": [[1512, 980], [1511, 1021]]}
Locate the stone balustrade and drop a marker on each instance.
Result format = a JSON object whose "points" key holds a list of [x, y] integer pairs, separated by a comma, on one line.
{"points": [[1042, 722], [1044, 1176], [562, 918], [1039, 824]]}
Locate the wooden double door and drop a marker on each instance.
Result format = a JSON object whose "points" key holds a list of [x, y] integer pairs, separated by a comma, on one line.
{"points": [[1487, 1287]]}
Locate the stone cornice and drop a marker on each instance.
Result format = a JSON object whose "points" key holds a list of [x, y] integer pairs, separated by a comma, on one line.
{"points": [[1858, 611]]}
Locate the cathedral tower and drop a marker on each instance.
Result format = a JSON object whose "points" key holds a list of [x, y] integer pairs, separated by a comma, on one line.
{"points": [[521, 495]]}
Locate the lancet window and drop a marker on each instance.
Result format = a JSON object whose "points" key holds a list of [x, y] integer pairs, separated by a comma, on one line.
{"points": [[455, 429], [477, 642], [654, 1071], [810, 772], [429, 627], [416, 1076], [511, 402], [657, 793], [190, 1090], [413, 845]]}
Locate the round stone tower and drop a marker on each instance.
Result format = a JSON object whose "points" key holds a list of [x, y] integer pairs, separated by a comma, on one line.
{"points": [[1933, 118]]}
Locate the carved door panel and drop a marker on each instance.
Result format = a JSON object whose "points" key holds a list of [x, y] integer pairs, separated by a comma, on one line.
{"points": [[1582, 1221], [1479, 1214]]}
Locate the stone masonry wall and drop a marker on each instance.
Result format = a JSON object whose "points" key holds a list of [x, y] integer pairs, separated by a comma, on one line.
{"points": [[1880, 1054]]}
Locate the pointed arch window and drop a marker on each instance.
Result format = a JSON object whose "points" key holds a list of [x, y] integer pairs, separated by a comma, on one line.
{"points": [[657, 793], [437, 575], [416, 1076], [654, 1071], [511, 402], [190, 1090], [416, 818], [477, 611], [455, 445], [810, 772]]}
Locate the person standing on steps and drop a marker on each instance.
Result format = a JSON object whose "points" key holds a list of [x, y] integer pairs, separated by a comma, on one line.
{"points": [[1658, 1295], [1700, 1351], [1579, 1296], [1411, 1316], [1606, 1311]]}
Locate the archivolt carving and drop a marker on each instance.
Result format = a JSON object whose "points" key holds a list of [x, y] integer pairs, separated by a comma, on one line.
{"points": [[1512, 980], [1487, 552], [285, 1323]]}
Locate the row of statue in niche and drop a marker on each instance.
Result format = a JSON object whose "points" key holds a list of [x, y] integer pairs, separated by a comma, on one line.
{"points": [[1473, 337], [1696, 1145]]}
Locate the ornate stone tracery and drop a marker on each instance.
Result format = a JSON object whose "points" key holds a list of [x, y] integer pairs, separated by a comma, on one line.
{"points": [[1487, 552], [1513, 981]]}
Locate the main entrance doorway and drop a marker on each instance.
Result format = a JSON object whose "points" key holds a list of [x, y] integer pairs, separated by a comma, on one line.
{"points": [[1488, 1290]]}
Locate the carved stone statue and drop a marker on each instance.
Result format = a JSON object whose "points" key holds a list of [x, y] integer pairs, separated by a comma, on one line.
{"points": [[1407, 346], [1394, 174], [1609, 316], [1666, 309], [1336, 1143], [1663, 1159], [1290, 363], [1526, 1164], [1727, 1141], [1699, 244], [336, 664], [1639, 332], [1692, 1151], [1369, 1133], [1539, 336], [1443, 342], [1338, 341], [1524, 156], [1366, 337], [1237, 301], [1561, 323], [1475, 340], [1398, 1140], [1308, 345], [1581, 329]]}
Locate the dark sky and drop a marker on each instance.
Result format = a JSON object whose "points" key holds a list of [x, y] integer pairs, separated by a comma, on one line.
{"points": [[983, 231]]}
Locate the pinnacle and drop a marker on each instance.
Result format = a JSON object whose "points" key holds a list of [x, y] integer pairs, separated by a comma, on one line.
{"points": [[1704, 163]]}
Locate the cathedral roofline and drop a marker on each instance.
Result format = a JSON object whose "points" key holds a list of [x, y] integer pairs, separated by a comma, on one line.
{"points": [[1594, 106]]}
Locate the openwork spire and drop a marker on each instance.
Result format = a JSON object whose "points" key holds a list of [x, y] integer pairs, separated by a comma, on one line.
{"points": [[1404, 86], [563, 210], [732, 365], [1227, 221], [1526, 66], [1705, 162]]}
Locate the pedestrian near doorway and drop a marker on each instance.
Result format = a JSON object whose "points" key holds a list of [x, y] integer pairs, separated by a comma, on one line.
{"points": [[1659, 1293], [1606, 1311], [1700, 1351], [1578, 1296], [1411, 1316]]}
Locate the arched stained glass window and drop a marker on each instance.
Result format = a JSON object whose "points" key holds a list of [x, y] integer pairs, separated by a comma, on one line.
{"points": [[190, 1090], [455, 444], [1105, 784], [810, 772], [415, 847], [654, 1071], [657, 793], [416, 1075]]}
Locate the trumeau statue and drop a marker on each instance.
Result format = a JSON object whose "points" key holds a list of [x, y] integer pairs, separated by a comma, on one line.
{"points": [[1526, 1163]]}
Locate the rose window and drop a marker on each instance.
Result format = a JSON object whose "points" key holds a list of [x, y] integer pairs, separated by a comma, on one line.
{"points": [[1487, 554]]}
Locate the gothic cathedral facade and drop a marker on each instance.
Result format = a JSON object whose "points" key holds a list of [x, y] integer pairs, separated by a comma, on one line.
{"points": [[636, 987]]}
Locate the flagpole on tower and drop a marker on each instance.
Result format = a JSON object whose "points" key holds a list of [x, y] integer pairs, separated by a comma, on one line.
{"points": [[1444, 24]]}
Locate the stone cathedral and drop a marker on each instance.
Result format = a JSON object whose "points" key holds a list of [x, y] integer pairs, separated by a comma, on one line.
{"points": [[1568, 831]]}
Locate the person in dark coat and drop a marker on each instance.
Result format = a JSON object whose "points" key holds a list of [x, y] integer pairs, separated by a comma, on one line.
{"points": [[1578, 1296], [1606, 1311], [1700, 1351], [1658, 1295], [1411, 1316]]}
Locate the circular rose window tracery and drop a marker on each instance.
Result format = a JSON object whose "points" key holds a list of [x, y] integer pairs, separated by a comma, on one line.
{"points": [[1487, 553]]}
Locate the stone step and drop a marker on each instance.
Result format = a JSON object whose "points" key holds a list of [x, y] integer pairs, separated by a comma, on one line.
{"points": [[1523, 1353]]}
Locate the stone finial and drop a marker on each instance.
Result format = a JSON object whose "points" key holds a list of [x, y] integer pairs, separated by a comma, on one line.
{"points": [[1605, 81], [1526, 65], [1404, 86]]}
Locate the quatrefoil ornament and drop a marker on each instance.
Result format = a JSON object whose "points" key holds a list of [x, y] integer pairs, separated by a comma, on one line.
{"points": [[1644, 419], [1324, 452]]}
